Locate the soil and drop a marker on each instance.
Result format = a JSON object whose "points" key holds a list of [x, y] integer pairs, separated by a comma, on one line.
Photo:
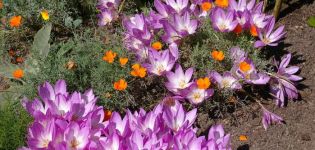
{"points": [[299, 131]]}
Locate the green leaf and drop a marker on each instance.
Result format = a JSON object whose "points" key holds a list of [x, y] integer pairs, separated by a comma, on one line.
{"points": [[77, 23], [40, 44], [68, 22], [311, 21]]}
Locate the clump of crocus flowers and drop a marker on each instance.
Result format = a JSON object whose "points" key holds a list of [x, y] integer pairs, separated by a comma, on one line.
{"points": [[64, 120], [108, 11]]}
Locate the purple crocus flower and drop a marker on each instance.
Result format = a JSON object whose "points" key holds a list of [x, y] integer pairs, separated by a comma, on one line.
{"points": [[106, 4], [105, 17], [179, 79], [187, 140], [160, 62], [177, 118], [76, 137], [217, 139], [177, 6], [41, 134], [243, 19], [282, 83], [267, 37], [270, 118], [227, 81], [259, 20], [184, 25], [223, 21], [237, 54], [241, 5], [245, 69], [195, 95], [161, 8], [170, 35]]}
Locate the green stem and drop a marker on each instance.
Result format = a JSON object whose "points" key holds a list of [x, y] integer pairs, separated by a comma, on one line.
{"points": [[121, 6], [277, 8]]}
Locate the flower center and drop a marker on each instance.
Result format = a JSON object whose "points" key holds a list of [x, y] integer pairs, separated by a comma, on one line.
{"points": [[74, 143], [182, 84], [226, 83], [197, 96]]}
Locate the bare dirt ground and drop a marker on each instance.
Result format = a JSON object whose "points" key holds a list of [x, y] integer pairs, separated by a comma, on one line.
{"points": [[299, 131]]}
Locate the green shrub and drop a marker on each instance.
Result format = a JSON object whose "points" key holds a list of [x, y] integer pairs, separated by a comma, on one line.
{"points": [[14, 121]]}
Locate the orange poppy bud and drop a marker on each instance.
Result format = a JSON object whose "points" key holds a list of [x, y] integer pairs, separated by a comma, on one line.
{"points": [[123, 61], [18, 73], [19, 59], [203, 83], [206, 6], [157, 46], [109, 56], [11, 52], [107, 115], [217, 55], [15, 21], [238, 29], [222, 3], [244, 66], [243, 138], [120, 85], [253, 31]]}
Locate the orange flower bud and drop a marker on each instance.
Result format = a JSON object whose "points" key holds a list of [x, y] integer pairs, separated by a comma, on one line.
{"points": [[107, 115], [253, 31], [19, 59], [243, 138], [238, 29]]}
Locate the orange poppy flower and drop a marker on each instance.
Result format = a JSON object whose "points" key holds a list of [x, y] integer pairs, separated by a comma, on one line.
{"points": [[45, 15], [157, 46], [138, 71], [244, 66], [217, 55], [243, 138], [123, 61], [109, 56], [107, 115], [18, 73], [206, 6], [238, 29], [15, 21], [203, 83], [120, 85], [253, 31], [19, 59], [222, 3]]}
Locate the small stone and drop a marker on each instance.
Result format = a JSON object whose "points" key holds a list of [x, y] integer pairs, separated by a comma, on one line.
{"points": [[306, 137]]}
